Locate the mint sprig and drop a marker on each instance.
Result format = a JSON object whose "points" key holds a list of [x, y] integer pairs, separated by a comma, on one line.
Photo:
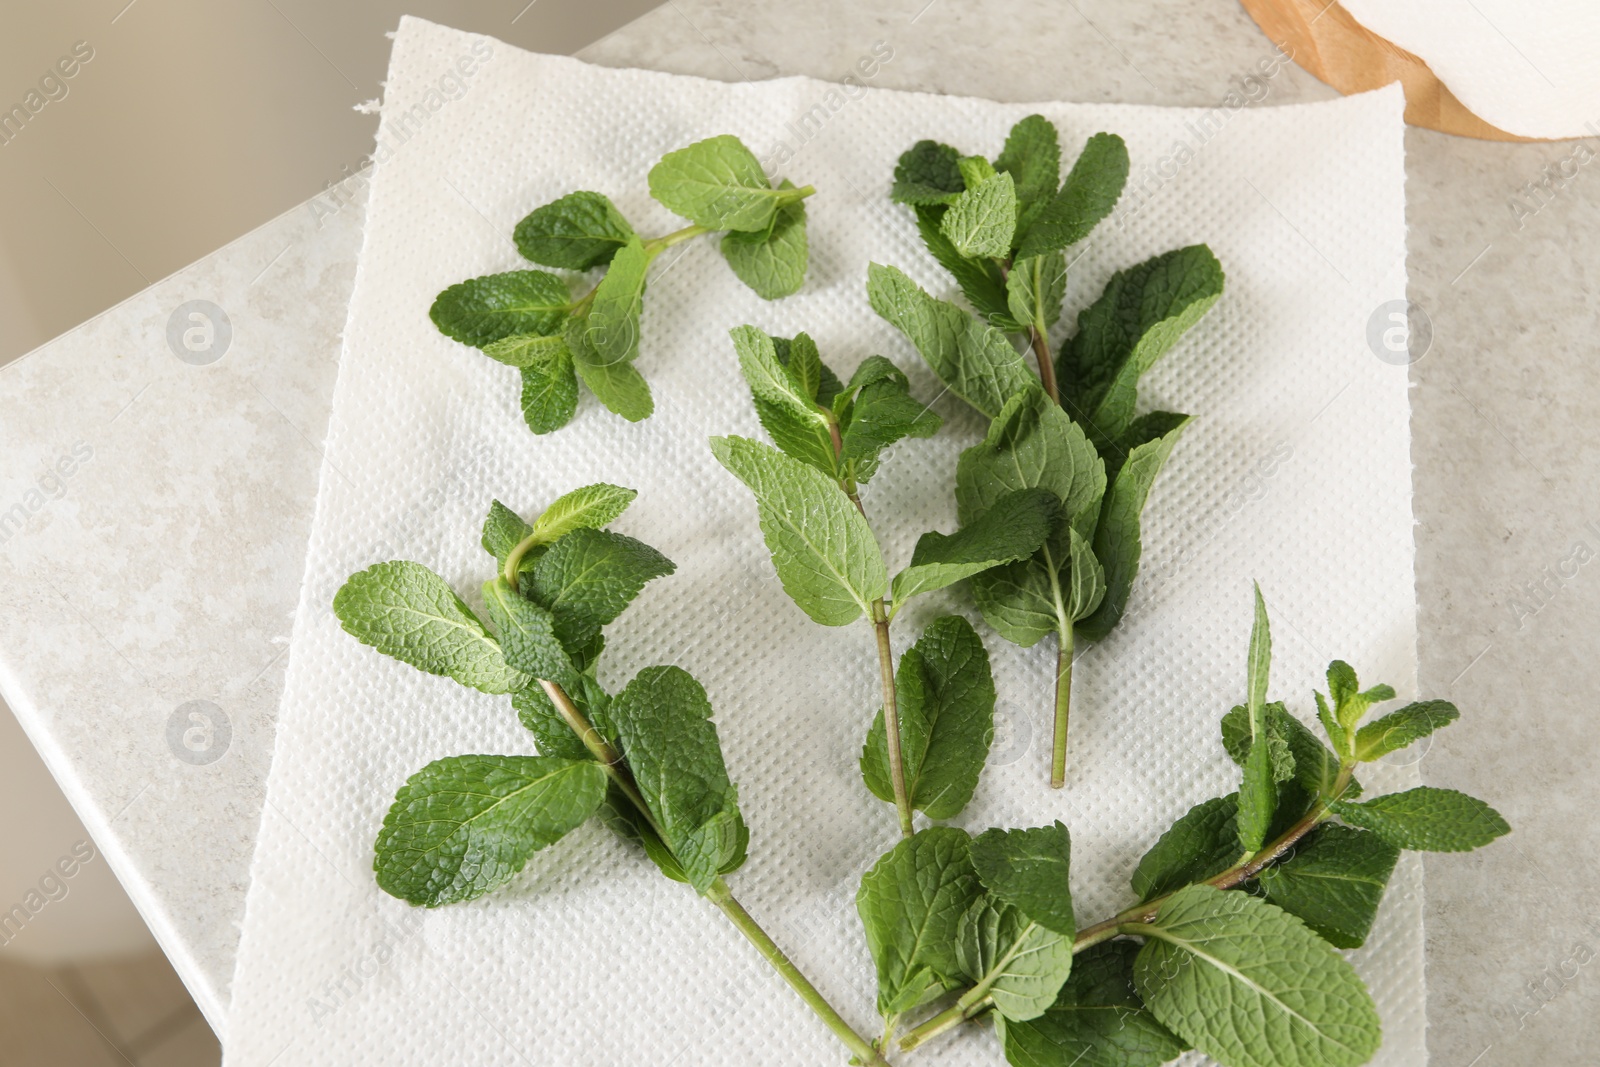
{"points": [[647, 761], [1003, 231], [529, 319], [931, 734], [1251, 979]]}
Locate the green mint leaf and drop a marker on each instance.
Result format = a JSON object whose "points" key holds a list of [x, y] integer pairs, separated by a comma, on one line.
{"points": [[1020, 600], [1117, 543], [981, 221], [975, 170], [579, 231], [974, 360], [1014, 528], [1140, 315], [718, 183], [624, 820], [617, 385], [549, 393], [771, 262], [404, 610], [882, 412], [612, 329], [823, 550], [1333, 881], [1336, 733], [1252, 986], [503, 530], [804, 363], [1083, 580], [1097, 1020], [463, 826], [538, 715], [1202, 844], [1090, 192], [1032, 443], [588, 577], [590, 507], [1019, 963], [1028, 870], [1032, 156], [944, 692], [1035, 288], [784, 399], [927, 173], [911, 903], [527, 350], [1399, 728], [528, 635], [1342, 684], [981, 280], [663, 720], [1296, 751], [1426, 819], [483, 310], [1258, 792]]}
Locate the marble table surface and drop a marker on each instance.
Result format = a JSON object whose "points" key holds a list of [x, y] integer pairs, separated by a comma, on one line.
{"points": [[161, 463]]}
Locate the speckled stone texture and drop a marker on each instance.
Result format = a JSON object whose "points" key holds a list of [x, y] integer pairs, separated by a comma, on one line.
{"points": [[154, 512]]}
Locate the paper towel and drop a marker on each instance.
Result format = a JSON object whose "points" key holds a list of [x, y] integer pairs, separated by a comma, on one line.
{"points": [[1530, 69], [1295, 472]]}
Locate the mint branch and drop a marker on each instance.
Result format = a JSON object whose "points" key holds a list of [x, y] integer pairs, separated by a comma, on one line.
{"points": [[719, 894]]}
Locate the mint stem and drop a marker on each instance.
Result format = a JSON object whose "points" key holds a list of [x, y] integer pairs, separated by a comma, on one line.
{"points": [[1047, 370], [719, 894], [949, 1019], [891, 718], [880, 625], [863, 1049], [1058, 751], [1135, 920]]}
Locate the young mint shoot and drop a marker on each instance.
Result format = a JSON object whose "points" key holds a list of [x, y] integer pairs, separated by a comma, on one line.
{"points": [[1003, 230], [647, 760], [1250, 979], [529, 320], [931, 735]]}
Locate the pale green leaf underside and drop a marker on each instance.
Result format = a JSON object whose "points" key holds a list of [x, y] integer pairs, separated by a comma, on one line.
{"points": [[772, 263], [824, 551], [591, 506], [719, 184], [975, 360], [1017, 962], [911, 903]]}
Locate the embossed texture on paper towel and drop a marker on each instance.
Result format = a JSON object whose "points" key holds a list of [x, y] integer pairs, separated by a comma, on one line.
{"points": [[590, 957]]}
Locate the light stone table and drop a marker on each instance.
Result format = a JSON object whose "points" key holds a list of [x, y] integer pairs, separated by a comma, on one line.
{"points": [[148, 592]]}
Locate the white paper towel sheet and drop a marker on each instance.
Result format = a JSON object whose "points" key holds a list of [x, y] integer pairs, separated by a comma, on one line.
{"points": [[1296, 473], [1530, 69]]}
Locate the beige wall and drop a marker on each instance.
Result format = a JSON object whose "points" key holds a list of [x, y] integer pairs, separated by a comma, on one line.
{"points": [[192, 122]]}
